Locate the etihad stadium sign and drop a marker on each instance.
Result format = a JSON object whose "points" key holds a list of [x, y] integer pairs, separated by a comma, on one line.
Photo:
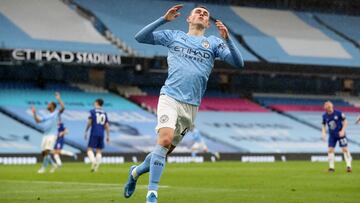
{"points": [[65, 57]]}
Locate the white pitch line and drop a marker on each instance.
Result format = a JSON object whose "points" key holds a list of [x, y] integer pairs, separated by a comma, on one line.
{"points": [[75, 183], [116, 186]]}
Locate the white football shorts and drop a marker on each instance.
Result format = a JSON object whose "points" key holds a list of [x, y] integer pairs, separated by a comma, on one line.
{"points": [[176, 115], [48, 142]]}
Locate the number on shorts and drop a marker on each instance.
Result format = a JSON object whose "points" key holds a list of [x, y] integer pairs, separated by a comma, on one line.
{"points": [[343, 141], [100, 118]]}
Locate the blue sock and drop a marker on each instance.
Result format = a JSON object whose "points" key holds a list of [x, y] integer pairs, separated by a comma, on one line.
{"points": [[157, 165], [49, 160], [193, 154], [144, 167], [45, 162]]}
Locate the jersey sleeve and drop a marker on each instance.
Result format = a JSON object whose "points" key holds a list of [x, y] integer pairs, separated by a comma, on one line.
{"points": [[106, 118], [164, 37], [90, 114], [342, 116], [221, 49], [228, 52], [323, 120], [49, 116]]}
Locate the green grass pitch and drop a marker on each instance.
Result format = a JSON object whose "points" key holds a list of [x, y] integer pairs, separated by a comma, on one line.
{"points": [[209, 182]]}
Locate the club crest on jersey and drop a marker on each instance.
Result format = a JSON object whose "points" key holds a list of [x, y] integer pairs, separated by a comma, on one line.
{"points": [[205, 44], [335, 117], [164, 119]]}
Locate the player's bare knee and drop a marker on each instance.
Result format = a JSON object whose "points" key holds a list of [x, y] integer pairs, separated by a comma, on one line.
{"points": [[345, 149], [330, 150], [165, 136], [165, 141]]}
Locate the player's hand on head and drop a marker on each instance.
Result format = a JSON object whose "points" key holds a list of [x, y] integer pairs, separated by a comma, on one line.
{"points": [[173, 12], [224, 32]]}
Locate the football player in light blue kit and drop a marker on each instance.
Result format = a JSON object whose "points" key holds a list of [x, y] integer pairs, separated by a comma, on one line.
{"points": [[190, 59], [50, 124], [337, 124], [199, 144]]}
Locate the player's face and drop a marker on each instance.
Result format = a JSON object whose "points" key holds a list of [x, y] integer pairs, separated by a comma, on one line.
{"points": [[96, 105], [50, 107], [199, 16], [328, 107]]}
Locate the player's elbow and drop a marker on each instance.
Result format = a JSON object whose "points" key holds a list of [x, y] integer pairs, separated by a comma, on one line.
{"points": [[240, 64], [139, 37]]}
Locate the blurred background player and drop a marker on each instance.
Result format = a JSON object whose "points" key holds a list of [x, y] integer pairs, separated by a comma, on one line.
{"points": [[190, 59], [98, 121], [336, 122], [49, 124], [199, 144], [59, 144]]}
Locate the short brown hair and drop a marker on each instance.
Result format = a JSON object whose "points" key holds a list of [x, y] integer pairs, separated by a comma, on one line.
{"points": [[53, 104], [99, 101], [200, 6]]}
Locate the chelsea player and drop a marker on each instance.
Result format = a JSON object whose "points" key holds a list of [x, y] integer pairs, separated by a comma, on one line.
{"points": [[59, 143], [98, 121], [336, 122], [190, 60]]}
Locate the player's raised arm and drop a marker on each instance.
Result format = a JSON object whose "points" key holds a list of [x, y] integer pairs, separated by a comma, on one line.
{"points": [[146, 34], [36, 117], [231, 53], [62, 105]]}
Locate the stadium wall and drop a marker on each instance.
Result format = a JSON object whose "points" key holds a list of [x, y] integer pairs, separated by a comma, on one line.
{"points": [[119, 158]]}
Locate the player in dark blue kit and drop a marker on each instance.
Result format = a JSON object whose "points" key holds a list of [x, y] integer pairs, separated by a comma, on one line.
{"points": [[336, 122], [98, 121], [59, 144]]}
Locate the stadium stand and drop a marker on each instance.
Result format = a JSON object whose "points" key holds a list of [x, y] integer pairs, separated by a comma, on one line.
{"points": [[287, 37], [309, 109], [260, 132], [129, 122], [347, 25], [29, 24], [132, 128], [17, 137], [122, 21]]}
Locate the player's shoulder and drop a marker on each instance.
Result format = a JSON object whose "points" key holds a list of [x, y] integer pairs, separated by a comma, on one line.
{"points": [[338, 112], [215, 39], [174, 32], [324, 115], [216, 42]]}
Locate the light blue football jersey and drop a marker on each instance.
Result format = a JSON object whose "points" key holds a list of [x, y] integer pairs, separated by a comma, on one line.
{"points": [[50, 123], [190, 60]]}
